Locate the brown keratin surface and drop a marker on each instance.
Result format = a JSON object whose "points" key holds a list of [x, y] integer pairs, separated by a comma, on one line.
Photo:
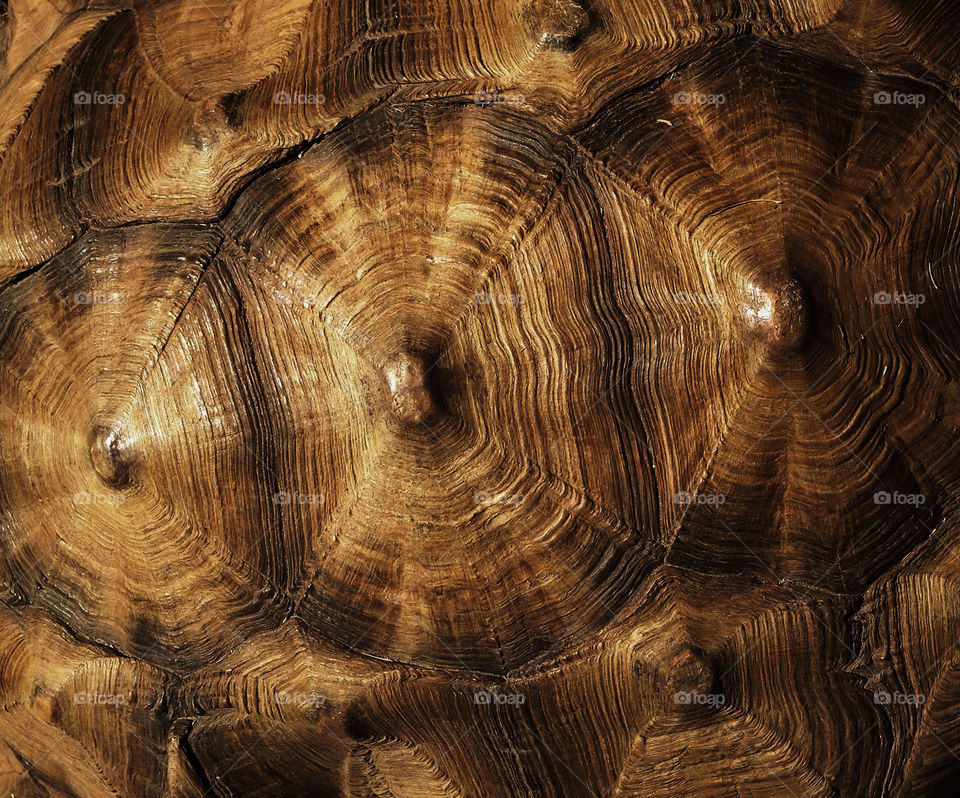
{"points": [[479, 399]]}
